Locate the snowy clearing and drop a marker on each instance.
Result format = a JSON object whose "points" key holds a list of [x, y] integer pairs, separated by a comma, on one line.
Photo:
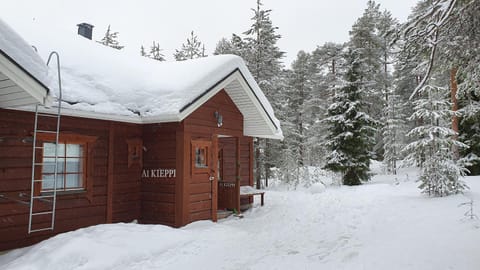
{"points": [[379, 225]]}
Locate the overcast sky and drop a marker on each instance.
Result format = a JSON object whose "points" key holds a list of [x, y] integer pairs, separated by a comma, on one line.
{"points": [[303, 24]]}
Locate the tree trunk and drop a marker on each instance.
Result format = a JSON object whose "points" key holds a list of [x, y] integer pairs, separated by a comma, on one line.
{"points": [[455, 120]]}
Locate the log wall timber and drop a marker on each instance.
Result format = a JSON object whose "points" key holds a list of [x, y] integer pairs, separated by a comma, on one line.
{"points": [[158, 193], [74, 210]]}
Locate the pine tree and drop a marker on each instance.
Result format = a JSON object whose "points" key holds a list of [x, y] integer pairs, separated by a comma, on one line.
{"points": [[350, 130], [263, 58], [155, 52], [443, 36], [328, 68], [424, 33], [192, 49], [299, 92], [459, 52], [433, 144], [393, 131], [110, 39], [368, 44], [371, 38]]}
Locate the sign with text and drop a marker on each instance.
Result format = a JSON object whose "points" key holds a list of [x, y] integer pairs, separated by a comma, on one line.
{"points": [[159, 173]]}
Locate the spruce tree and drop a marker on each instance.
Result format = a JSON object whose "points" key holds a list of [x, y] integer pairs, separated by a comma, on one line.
{"points": [[110, 39], [470, 135], [350, 129], [433, 144]]}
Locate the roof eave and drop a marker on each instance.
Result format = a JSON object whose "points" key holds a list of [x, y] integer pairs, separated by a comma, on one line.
{"points": [[235, 75], [270, 129], [23, 79]]}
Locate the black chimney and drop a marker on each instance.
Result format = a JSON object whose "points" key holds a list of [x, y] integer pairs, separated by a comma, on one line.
{"points": [[85, 30]]}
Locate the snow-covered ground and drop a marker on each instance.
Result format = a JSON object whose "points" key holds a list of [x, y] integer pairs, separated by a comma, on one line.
{"points": [[380, 225]]}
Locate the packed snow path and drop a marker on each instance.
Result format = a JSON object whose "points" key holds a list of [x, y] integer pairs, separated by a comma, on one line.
{"points": [[379, 225]]}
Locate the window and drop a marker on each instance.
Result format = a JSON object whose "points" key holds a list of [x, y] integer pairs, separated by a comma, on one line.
{"points": [[201, 156], [70, 166], [135, 147], [74, 158]]}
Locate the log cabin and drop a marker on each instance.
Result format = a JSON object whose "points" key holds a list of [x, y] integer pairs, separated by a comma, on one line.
{"points": [[99, 136]]}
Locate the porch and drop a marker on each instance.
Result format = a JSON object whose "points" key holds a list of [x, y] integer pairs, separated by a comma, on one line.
{"points": [[234, 197], [235, 176]]}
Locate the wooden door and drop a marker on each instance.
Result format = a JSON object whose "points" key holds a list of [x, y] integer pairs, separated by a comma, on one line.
{"points": [[203, 202]]}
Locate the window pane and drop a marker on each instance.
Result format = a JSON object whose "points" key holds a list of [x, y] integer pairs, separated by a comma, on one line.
{"points": [[74, 181], [74, 165], [74, 150], [61, 150], [48, 149], [47, 182], [200, 157], [48, 165], [60, 181], [61, 164]]}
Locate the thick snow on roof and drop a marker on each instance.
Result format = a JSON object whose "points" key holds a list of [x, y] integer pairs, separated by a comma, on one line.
{"points": [[97, 78], [15, 47]]}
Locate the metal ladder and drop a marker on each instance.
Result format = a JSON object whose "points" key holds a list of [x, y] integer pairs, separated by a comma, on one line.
{"points": [[50, 198]]}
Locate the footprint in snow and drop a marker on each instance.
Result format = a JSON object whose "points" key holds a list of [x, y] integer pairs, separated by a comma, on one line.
{"points": [[350, 256]]}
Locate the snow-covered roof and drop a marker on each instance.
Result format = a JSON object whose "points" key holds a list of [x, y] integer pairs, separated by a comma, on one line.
{"points": [[102, 82], [23, 74]]}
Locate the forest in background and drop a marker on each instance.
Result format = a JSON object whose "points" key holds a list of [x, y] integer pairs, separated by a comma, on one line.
{"points": [[404, 94]]}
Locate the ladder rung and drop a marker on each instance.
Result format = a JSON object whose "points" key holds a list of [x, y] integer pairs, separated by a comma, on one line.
{"points": [[42, 213], [43, 229], [47, 115], [38, 147], [46, 131], [43, 180], [43, 196]]}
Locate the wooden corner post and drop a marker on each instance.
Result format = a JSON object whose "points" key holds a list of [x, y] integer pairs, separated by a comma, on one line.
{"points": [[237, 173], [183, 173], [214, 172], [110, 177]]}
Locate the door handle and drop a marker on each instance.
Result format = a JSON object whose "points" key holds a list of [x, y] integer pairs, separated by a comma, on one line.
{"points": [[211, 178]]}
